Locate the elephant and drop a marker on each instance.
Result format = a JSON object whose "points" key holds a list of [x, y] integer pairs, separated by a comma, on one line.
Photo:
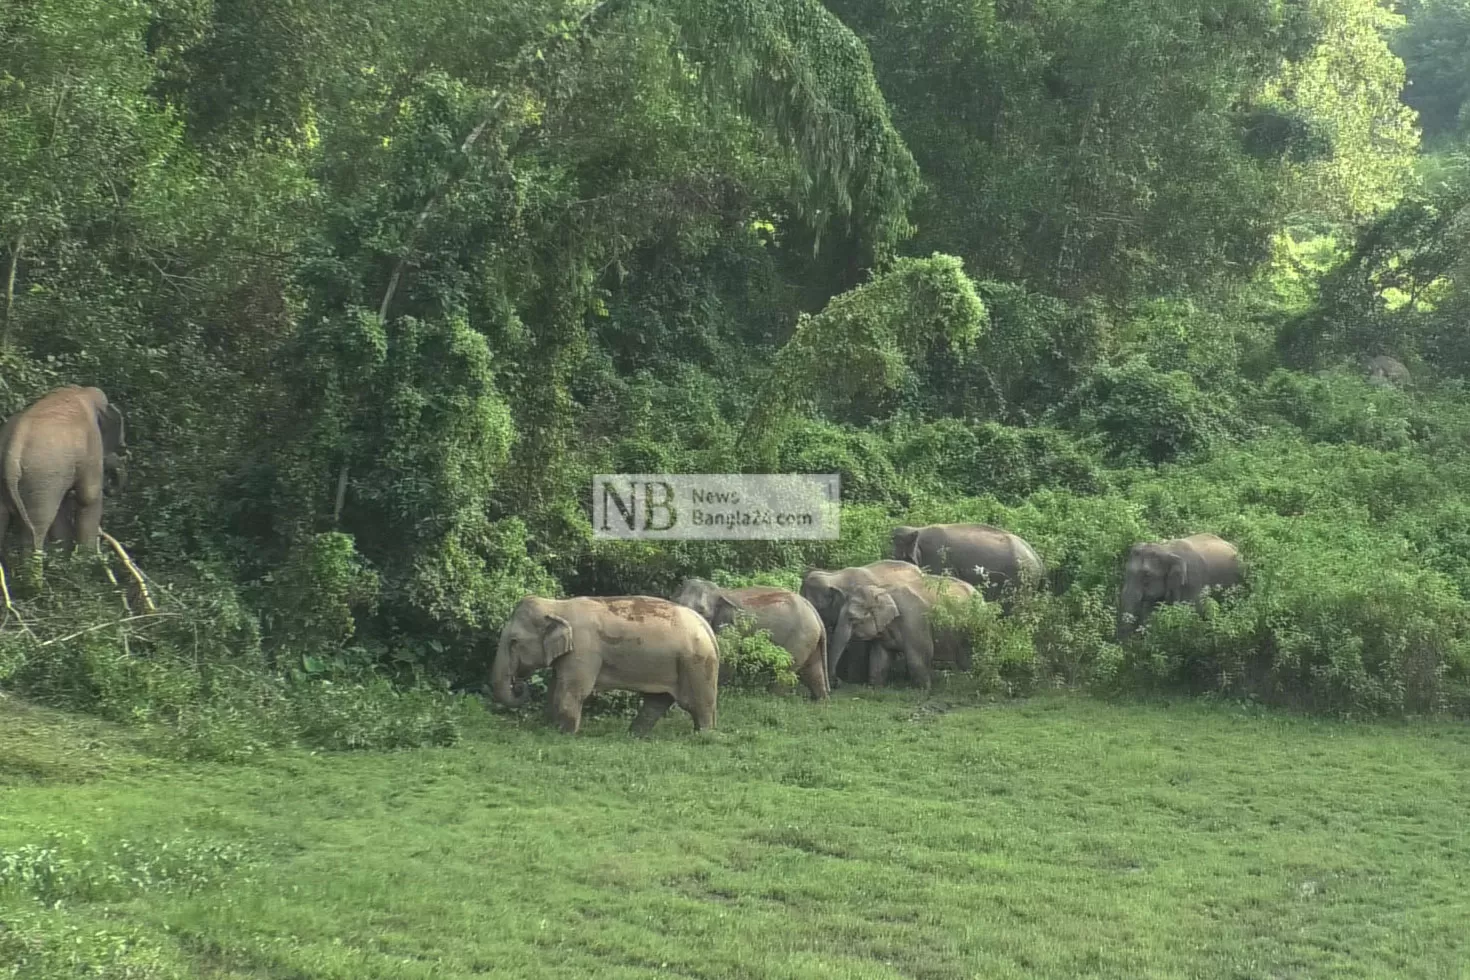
{"points": [[895, 620], [599, 643], [1385, 370], [55, 447], [1173, 571], [982, 555], [793, 623], [115, 483], [828, 591]]}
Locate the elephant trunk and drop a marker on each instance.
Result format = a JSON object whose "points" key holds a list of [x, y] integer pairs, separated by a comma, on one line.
{"points": [[503, 676], [839, 645], [1130, 612], [115, 474]]}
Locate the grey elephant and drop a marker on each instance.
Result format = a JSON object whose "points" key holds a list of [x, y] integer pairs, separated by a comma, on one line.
{"points": [[600, 643], [896, 621], [55, 447], [982, 555], [1173, 571], [1385, 370], [791, 620], [114, 483], [827, 591]]}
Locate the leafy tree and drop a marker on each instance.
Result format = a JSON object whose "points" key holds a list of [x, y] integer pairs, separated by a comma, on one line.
{"points": [[1435, 47]]}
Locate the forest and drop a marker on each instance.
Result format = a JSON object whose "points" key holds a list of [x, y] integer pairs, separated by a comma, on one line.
{"points": [[380, 286]]}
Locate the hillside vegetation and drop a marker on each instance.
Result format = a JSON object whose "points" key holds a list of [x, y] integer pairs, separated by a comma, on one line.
{"points": [[381, 285]]}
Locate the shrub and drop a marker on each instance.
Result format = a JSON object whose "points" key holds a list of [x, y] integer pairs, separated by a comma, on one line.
{"points": [[750, 661], [989, 458], [1144, 415]]}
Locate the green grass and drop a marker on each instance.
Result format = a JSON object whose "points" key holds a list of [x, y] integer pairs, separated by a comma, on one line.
{"points": [[872, 837]]}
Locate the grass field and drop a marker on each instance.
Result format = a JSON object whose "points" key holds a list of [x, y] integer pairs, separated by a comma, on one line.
{"points": [[878, 836]]}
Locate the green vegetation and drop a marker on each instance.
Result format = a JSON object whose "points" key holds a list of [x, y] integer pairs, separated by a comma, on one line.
{"points": [[872, 837], [380, 286]]}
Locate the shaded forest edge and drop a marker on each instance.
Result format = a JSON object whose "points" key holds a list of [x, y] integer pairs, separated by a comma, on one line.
{"points": [[380, 289]]}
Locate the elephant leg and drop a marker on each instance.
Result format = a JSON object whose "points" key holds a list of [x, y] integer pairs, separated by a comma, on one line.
{"points": [[566, 703], [878, 662], [814, 675], [88, 521], [655, 706], [703, 713], [856, 660], [918, 669]]}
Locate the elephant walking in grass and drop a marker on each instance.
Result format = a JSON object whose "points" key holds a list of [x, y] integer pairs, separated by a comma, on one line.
{"points": [[1173, 571], [600, 643], [984, 556], [58, 447], [828, 592], [896, 621], [792, 621]]}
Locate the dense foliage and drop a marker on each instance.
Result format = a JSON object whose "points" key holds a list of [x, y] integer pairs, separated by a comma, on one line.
{"points": [[381, 285]]}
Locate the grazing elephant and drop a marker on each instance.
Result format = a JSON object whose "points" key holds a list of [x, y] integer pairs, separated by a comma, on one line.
{"points": [[1173, 571], [792, 622], [978, 553], [115, 483], [895, 621], [600, 643], [828, 591], [1385, 370], [54, 447]]}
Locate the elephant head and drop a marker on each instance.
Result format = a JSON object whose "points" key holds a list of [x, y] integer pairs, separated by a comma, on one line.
{"points": [[709, 600], [535, 637], [1153, 574], [906, 544], [866, 614], [820, 588]]}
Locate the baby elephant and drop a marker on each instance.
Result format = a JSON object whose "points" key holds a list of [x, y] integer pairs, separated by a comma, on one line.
{"points": [[625, 643], [792, 622], [896, 620], [1173, 571]]}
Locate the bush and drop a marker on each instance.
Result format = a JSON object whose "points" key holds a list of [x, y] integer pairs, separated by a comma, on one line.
{"points": [[1009, 463], [1349, 633], [1340, 408], [1144, 415], [750, 661]]}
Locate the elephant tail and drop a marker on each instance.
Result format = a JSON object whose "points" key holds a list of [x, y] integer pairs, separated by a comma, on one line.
{"points": [[822, 652], [10, 467]]}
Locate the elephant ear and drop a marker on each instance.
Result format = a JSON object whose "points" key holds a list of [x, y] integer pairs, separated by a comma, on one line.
{"points": [[1174, 582], [113, 428], [556, 638], [725, 611], [885, 610], [906, 544]]}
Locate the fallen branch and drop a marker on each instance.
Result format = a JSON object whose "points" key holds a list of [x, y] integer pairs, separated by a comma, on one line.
{"points": [[103, 626], [148, 605]]}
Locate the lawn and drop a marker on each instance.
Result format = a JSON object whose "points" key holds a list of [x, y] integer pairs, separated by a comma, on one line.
{"points": [[877, 836]]}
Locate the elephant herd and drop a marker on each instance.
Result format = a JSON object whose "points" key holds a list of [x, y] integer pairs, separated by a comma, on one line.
{"points": [[58, 457], [866, 616]]}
